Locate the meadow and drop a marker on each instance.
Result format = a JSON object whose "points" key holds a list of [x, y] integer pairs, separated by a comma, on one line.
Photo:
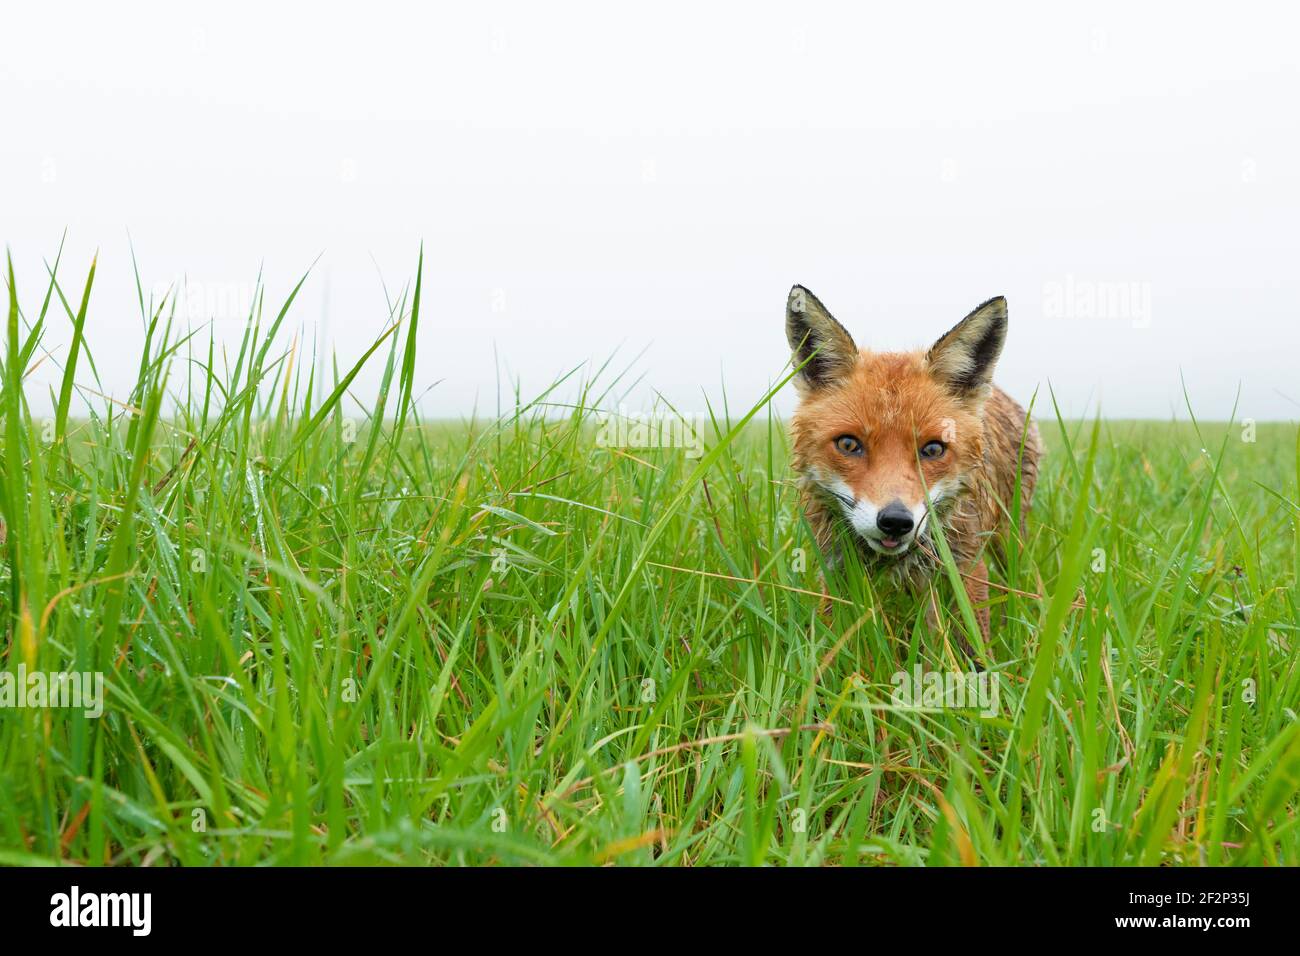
{"points": [[332, 631]]}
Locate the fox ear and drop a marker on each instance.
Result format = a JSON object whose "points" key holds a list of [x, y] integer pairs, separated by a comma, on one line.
{"points": [[964, 358], [820, 344]]}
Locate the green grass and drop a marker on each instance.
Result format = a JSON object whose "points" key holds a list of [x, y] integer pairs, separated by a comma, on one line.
{"points": [[498, 642]]}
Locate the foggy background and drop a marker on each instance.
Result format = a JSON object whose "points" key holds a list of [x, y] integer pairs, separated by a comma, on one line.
{"points": [[588, 178]]}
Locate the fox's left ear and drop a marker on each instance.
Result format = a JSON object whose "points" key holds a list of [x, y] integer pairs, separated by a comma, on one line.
{"points": [[963, 359]]}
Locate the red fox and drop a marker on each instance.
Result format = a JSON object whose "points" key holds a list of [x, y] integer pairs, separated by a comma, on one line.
{"points": [[887, 444]]}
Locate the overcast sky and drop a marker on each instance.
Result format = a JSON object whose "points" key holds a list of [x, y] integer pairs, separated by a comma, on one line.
{"points": [[587, 178]]}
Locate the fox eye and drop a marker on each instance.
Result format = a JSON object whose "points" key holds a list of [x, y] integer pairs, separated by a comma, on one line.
{"points": [[848, 445], [933, 449]]}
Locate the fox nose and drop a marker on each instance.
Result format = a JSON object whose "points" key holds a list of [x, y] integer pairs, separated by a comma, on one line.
{"points": [[895, 519]]}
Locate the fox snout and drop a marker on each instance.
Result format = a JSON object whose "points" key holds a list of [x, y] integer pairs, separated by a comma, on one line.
{"points": [[890, 529], [895, 520]]}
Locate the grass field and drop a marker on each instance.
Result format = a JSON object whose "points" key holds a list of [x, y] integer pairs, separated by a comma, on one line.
{"points": [[507, 642]]}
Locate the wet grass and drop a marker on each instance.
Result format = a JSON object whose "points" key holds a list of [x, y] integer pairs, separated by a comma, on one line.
{"points": [[330, 641]]}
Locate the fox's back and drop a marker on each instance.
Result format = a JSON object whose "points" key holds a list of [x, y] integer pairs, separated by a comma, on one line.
{"points": [[1006, 425]]}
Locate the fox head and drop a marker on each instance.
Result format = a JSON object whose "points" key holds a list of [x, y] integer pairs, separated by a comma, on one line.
{"points": [[890, 439]]}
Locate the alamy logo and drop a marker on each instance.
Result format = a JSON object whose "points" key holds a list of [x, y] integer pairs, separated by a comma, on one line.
{"points": [[78, 691], [624, 429], [75, 908], [946, 690], [1075, 298]]}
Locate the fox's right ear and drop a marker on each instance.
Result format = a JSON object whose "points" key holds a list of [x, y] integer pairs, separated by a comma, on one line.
{"points": [[820, 344]]}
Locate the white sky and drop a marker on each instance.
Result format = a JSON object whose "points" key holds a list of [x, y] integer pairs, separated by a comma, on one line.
{"points": [[590, 177]]}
